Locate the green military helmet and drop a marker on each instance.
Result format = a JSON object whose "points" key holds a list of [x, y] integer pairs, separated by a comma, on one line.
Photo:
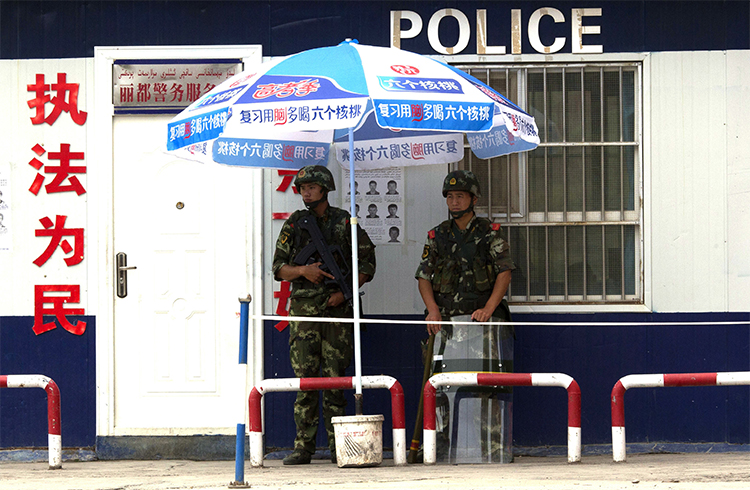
{"points": [[315, 174], [461, 180]]}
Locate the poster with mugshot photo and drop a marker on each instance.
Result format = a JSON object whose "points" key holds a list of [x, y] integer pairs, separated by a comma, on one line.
{"points": [[379, 203]]}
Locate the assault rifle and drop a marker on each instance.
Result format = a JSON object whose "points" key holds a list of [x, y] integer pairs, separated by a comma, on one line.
{"points": [[326, 253]]}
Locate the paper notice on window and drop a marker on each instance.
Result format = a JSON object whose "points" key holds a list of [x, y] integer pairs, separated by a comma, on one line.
{"points": [[379, 203]]}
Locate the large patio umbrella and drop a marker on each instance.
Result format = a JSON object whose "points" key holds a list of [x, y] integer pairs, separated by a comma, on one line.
{"points": [[283, 114]]}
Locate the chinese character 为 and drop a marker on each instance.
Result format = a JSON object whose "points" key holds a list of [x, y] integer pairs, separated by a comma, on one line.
{"points": [[40, 89], [287, 177], [61, 172], [56, 235], [57, 310], [281, 310]]}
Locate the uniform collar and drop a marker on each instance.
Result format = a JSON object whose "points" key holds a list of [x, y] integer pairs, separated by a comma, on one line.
{"points": [[469, 225]]}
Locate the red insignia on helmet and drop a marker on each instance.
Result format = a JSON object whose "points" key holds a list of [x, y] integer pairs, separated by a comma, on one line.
{"points": [[431, 234]]}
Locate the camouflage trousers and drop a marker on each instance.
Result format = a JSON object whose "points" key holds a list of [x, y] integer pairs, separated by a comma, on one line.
{"points": [[319, 349]]}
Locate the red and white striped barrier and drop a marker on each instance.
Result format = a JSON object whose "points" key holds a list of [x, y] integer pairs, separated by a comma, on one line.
{"points": [[54, 438], [312, 384], [658, 381], [503, 379]]}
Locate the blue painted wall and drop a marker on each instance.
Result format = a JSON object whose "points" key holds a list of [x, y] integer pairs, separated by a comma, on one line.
{"points": [[70, 360], [49, 29], [595, 356]]}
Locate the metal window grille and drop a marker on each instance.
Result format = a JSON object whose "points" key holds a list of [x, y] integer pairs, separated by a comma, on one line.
{"points": [[570, 209]]}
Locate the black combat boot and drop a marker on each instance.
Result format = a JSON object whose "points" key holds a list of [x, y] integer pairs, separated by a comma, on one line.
{"points": [[298, 456]]}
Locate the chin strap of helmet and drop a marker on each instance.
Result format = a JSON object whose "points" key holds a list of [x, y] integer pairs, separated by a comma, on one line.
{"points": [[458, 214], [314, 204]]}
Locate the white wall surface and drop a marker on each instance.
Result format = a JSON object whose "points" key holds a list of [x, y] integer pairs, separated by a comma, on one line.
{"points": [[738, 180], [17, 137], [689, 208]]}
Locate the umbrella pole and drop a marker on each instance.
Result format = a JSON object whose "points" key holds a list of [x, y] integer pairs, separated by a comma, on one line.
{"points": [[355, 281]]}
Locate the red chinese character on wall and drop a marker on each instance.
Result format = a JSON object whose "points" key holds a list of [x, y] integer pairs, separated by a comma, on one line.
{"points": [[56, 235], [281, 310], [193, 91], [65, 100], [287, 177], [61, 172], [126, 94], [57, 309], [177, 92], [144, 92], [160, 92]]}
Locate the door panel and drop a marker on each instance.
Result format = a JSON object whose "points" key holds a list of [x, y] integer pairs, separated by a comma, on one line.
{"points": [[176, 330]]}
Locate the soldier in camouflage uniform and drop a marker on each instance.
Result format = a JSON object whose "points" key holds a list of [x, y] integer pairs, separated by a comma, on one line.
{"points": [[465, 270], [318, 348], [466, 265]]}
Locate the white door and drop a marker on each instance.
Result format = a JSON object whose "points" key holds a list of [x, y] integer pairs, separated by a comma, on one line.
{"points": [[184, 227]]}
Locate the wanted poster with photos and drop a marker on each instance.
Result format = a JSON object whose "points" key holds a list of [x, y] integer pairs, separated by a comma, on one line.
{"points": [[378, 203]]}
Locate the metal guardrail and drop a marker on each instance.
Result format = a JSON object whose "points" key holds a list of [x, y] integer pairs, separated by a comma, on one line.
{"points": [[53, 409]]}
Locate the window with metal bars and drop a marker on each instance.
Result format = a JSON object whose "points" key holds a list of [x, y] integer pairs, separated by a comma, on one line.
{"points": [[571, 208]]}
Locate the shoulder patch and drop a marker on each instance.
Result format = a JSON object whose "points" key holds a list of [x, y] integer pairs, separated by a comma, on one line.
{"points": [[425, 252], [495, 226], [284, 237], [431, 234]]}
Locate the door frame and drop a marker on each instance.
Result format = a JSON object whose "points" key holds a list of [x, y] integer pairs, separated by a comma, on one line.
{"points": [[101, 211]]}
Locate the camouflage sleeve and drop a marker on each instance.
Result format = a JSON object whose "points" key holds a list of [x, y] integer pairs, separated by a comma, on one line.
{"points": [[429, 255], [282, 255], [366, 254], [500, 253]]}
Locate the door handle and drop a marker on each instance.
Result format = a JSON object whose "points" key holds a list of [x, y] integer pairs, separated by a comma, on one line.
{"points": [[121, 274]]}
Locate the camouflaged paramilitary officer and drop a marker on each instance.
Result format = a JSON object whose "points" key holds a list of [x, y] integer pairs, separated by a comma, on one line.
{"points": [[464, 272], [317, 348], [463, 256]]}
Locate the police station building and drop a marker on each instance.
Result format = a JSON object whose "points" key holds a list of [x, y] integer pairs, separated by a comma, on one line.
{"points": [[121, 266]]}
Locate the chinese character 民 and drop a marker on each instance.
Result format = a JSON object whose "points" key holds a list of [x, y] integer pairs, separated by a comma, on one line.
{"points": [[57, 310]]}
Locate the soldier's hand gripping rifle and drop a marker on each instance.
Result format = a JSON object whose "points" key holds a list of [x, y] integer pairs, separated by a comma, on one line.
{"points": [[326, 252]]}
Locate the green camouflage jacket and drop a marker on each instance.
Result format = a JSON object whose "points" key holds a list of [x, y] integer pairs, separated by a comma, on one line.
{"points": [[463, 265], [334, 225]]}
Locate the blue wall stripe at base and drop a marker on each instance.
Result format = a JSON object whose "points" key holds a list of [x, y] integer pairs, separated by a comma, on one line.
{"points": [[42, 455], [195, 447]]}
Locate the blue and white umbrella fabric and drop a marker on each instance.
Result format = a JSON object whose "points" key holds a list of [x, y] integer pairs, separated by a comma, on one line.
{"points": [[280, 114]]}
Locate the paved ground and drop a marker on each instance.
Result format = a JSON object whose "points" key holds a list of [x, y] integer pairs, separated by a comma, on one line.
{"points": [[640, 472]]}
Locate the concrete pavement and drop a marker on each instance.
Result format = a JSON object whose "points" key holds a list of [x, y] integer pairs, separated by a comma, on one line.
{"points": [[641, 471]]}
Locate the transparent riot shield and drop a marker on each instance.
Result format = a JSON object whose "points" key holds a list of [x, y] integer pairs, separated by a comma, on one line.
{"points": [[474, 423]]}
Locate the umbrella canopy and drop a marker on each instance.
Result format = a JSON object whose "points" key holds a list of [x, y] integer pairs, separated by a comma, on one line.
{"points": [[280, 114], [409, 107]]}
